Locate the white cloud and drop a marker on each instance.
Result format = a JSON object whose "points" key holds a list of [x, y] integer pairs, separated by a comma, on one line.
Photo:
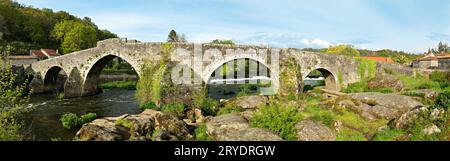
{"points": [[316, 43]]}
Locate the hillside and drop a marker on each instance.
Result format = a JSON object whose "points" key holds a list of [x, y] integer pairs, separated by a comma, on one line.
{"points": [[24, 27]]}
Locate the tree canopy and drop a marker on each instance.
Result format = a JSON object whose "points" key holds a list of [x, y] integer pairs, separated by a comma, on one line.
{"points": [[226, 42], [174, 37], [24, 28], [342, 50]]}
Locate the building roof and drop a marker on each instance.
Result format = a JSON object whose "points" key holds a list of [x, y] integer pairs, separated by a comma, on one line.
{"points": [[22, 57], [378, 58], [429, 57], [38, 53], [50, 52]]}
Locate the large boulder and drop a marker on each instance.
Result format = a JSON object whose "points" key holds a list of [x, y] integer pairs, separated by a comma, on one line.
{"points": [[138, 127], [247, 102], [232, 127], [102, 130], [386, 81], [408, 118], [378, 105], [427, 93], [312, 131]]}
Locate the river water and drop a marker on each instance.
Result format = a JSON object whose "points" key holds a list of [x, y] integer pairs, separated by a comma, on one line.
{"points": [[43, 122]]}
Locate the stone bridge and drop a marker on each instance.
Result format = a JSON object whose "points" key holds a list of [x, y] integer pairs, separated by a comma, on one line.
{"points": [[287, 67]]}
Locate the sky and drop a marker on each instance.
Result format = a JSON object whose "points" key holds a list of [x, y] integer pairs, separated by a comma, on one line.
{"points": [[408, 25]]}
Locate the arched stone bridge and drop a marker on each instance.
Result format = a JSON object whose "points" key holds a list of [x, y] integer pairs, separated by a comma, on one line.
{"points": [[288, 67]]}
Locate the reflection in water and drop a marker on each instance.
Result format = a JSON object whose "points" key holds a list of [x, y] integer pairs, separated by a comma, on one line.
{"points": [[44, 122]]}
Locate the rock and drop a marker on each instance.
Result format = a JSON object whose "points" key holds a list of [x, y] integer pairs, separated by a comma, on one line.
{"points": [[141, 126], [431, 129], [164, 136], [437, 114], [427, 93], [386, 81], [312, 131], [195, 115], [247, 115], [408, 118], [102, 130], [248, 102], [378, 105], [232, 127]]}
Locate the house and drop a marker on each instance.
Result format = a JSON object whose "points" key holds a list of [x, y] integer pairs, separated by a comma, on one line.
{"points": [[433, 61], [44, 53], [35, 55], [378, 58]]}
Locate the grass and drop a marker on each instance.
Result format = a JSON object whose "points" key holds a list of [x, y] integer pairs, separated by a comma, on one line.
{"points": [[229, 109], [175, 108], [130, 85], [389, 134], [279, 119], [200, 133], [348, 134], [123, 123]]}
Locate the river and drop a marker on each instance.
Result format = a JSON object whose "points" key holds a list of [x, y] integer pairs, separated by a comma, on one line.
{"points": [[43, 121]]}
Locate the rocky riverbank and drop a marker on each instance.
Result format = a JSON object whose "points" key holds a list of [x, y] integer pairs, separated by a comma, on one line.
{"points": [[150, 125]]}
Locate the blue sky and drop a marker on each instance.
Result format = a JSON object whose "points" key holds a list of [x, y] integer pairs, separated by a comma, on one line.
{"points": [[408, 25]]}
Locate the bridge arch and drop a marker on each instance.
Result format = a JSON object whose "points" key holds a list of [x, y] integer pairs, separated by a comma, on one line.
{"points": [[213, 68], [92, 75], [330, 78], [54, 79]]}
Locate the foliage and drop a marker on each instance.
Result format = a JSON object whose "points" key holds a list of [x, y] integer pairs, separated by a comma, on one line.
{"points": [[388, 134], [174, 37], [200, 133], [130, 85], [123, 123], [149, 105], [225, 42], [442, 48], [74, 36], [348, 134], [357, 87], [24, 27], [442, 101], [279, 119], [71, 120], [208, 105], [439, 76], [174, 108], [347, 50], [398, 56], [13, 100], [417, 82]]}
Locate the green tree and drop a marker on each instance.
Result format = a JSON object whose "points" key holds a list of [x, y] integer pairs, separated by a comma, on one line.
{"points": [[226, 42], [13, 99], [174, 37], [342, 50], [74, 36]]}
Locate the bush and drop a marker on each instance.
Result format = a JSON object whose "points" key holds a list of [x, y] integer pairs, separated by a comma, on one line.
{"points": [[174, 108], [149, 105], [200, 133], [276, 118], [439, 76], [442, 101], [206, 104], [70, 120]]}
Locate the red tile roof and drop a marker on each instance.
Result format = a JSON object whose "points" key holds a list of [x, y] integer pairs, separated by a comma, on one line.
{"points": [[22, 57], [38, 53], [377, 58], [50, 52], [436, 57]]}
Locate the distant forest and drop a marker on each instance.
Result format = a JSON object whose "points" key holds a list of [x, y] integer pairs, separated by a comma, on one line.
{"points": [[24, 27]]}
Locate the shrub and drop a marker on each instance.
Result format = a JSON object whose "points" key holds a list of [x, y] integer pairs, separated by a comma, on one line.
{"points": [[442, 101], [439, 76], [200, 133], [70, 120], [149, 105], [279, 119], [174, 108], [205, 103]]}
